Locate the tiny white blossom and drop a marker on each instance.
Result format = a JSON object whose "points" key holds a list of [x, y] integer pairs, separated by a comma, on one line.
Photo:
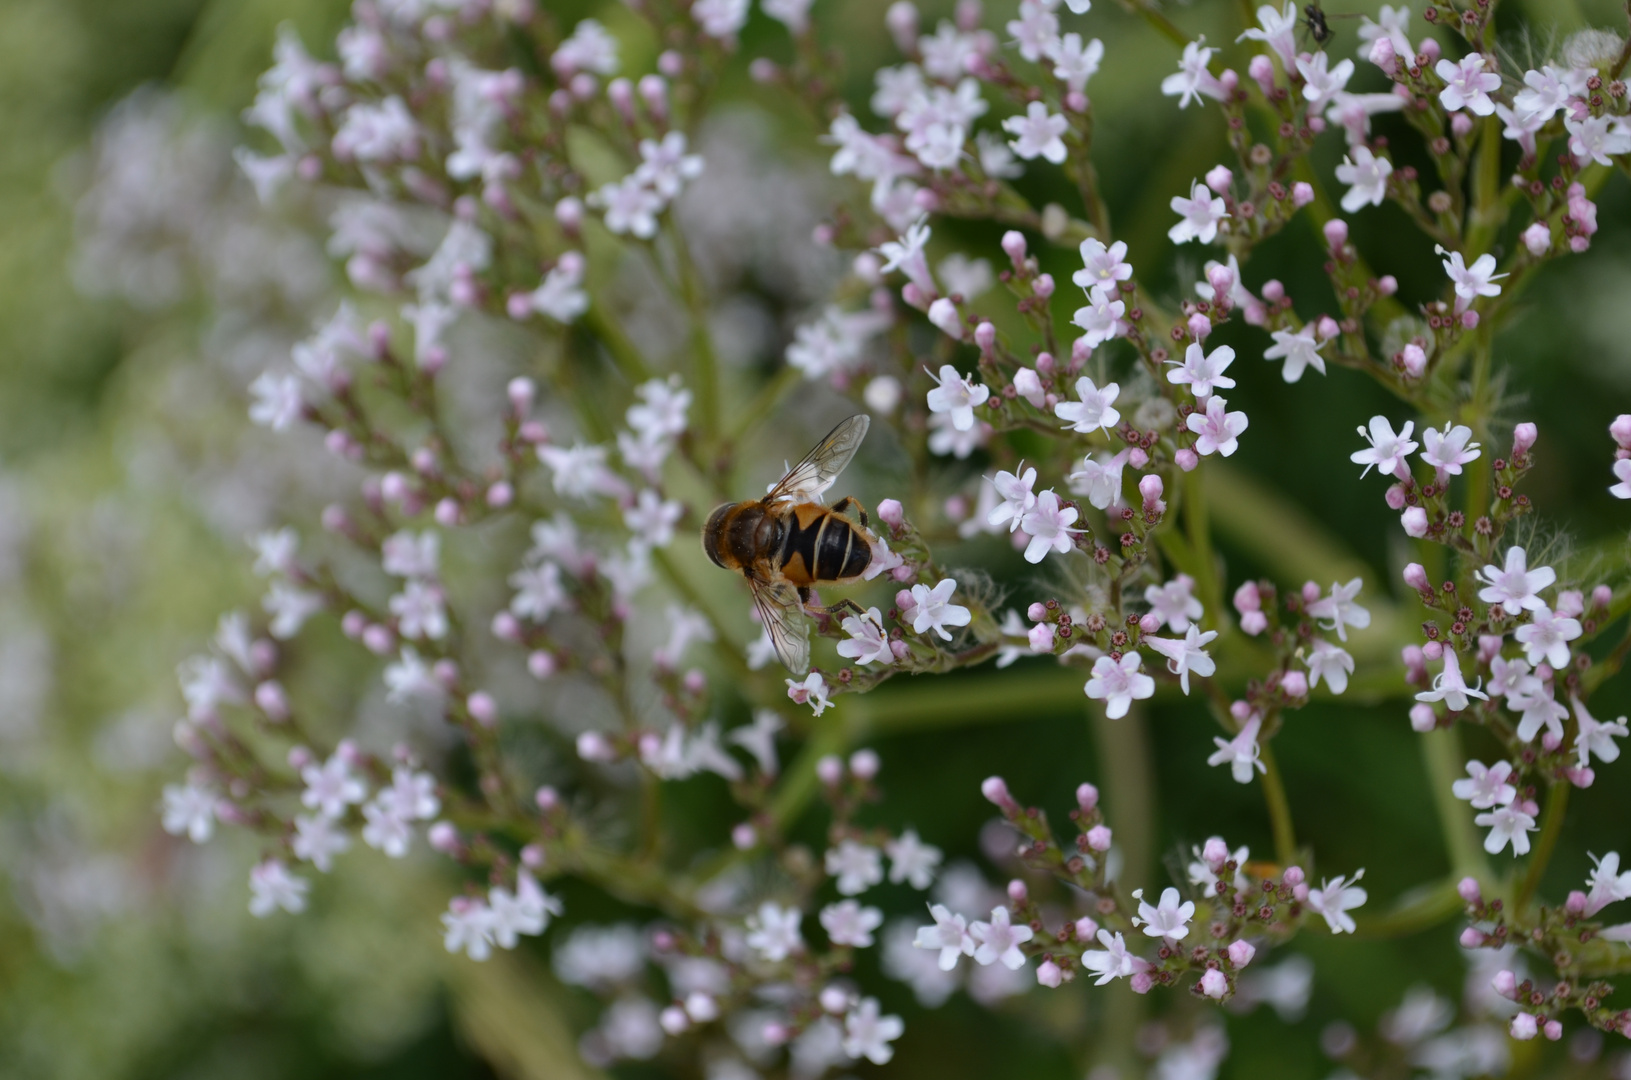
{"points": [[911, 860], [773, 931], [189, 809], [1450, 688], [857, 867], [1049, 526], [1113, 961], [949, 935], [1101, 319], [1514, 586], [1174, 602], [1467, 85], [1449, 449], [1546, 637], [1242, 753], [811, 691], [1486, 787], [1119, 684], [317, 840], [1387, 451], [331, 787], [1193, 81], [1038, 134], [1017, 497], [1331, 663], [869, 1035], [1168, 919], [848, 923], [1367, 177], [468, 928], [277, 403], [1596, 737], [867, 643], [1201, 213], [1509, 824], [1217, 431], [1473, 281], [1334, 899], [934, 610], [957, 397], [271, 887], [1000, 940], [1339, 607], [1094, 410], [1187, 655], [1202, 371]]}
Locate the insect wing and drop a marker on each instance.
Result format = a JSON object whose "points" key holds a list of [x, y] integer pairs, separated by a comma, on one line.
{"points": [[783, 617], [807, 480]]}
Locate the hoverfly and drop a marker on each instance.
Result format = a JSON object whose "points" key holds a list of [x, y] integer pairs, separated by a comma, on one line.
{"points": [[1314, 21], [788, 542]]}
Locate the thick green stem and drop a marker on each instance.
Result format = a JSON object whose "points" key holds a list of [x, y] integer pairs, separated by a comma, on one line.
{"points": [[1274, 794], [1445, 762], [1557, 805], [1129, 800]]}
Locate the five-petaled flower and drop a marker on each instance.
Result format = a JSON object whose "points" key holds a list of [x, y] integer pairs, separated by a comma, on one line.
{"points": [[1201, 213], [1217, 431], [1335, 898], [1118, 684], [1168, 919], [1387, 451]]}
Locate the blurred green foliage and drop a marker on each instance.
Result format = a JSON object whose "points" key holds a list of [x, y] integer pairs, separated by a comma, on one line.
{"points": [[125, 579]]}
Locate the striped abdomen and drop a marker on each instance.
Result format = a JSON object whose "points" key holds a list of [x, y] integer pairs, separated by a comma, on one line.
{"points": [[822, 546]]}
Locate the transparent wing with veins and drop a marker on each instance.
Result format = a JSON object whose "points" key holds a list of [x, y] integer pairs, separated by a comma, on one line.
{"points": [[783, 616], [809, 479]]}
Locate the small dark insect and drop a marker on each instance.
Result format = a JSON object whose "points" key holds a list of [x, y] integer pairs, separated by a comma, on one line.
{"points": [[1314, 22]]}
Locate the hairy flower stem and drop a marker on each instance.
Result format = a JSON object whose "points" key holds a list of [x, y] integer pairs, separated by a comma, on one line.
{"points": [[1557, 805]]}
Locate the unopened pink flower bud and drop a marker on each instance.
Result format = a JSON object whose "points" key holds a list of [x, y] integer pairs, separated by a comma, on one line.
{"points": [[1098, 838], [1327, 328], [1142, 982], [1150, 622], [1310, 592], [1433, 650], [1200, 327], [1027, 384], [1575, 904], [569, 213], [1396, 497], [483, 709], [1215, 852], [1336, 233], [1414, 520], [1240, 953], [1602, 596], [673, 1020], [1017, 892], [835, 999], [1460, 125], [1431, 50], [985, 336], [1150, 488], [901, 18], [1472, 937], [271, 700], [1414, 359], [1013, 244], [1044, 286], [1087, 928], [500, 494], [443, 837], [995, 789], [378, 639], [448, 512], [864, 764], [1553, 1030], [1295, 684], [830, 770], [593, 746], [1294, 876], [541, 663], [1383, 55], [1538, 238], [744, 836], [891, 513], [1422, 718], [1523, 438], [1041, 637], [1214, 984], [1302, 194], [1037, 611], [1261, 69], [943, 314], [1523, 1027], [1469, 891], [1505, 983], [1219, 179], [1087, 797], [547, 798], [1137, 458], [1415, 576], [1187, 459], [1273, 291], [1049, 975], [1469, 319]]}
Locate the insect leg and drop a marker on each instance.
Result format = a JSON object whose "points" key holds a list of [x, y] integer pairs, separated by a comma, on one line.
{"points": [[842, 506]]}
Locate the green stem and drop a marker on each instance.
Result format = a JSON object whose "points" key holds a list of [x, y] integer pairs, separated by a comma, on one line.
{"points": [[1129, 799], [624, 355], [1445, 761], [1274, 794], [1557, 804], [1419, 910]]}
